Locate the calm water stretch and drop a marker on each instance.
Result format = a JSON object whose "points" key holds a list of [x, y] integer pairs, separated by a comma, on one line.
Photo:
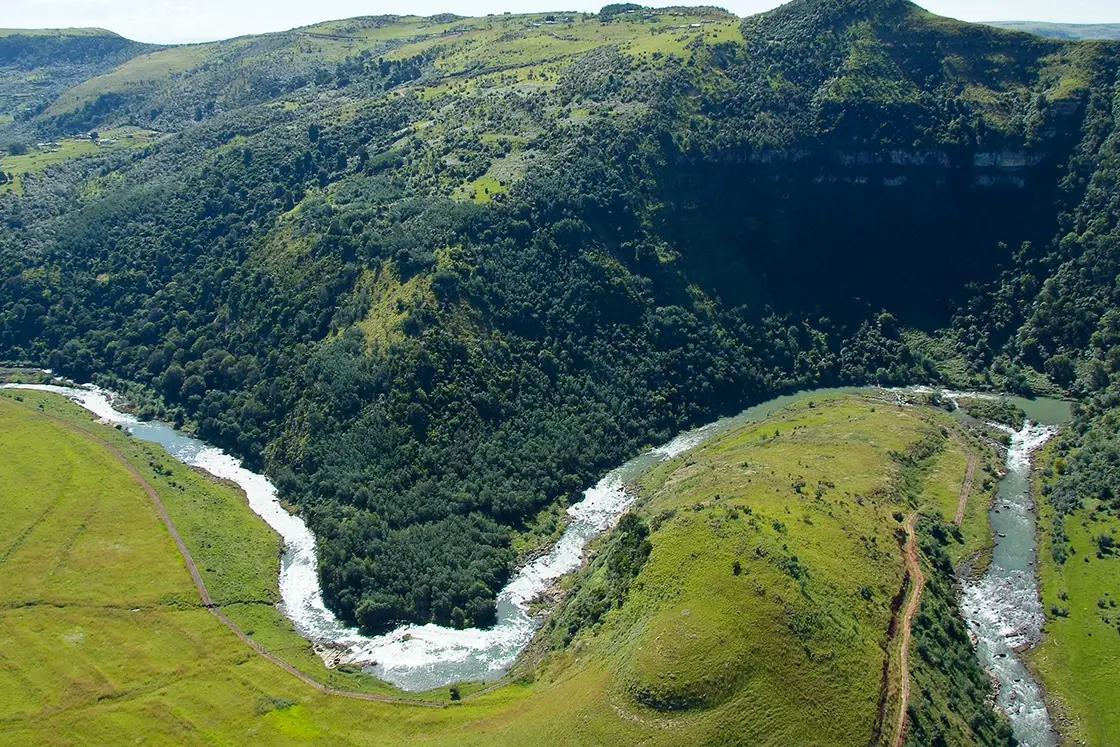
{"points": [[1002, 608]]}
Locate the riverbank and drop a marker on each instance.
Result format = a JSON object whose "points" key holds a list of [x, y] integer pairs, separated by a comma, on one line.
{"points": [[418, 658], [1077, 658], [237, 555], [1003, 607], [842, 461], [414, 657]]}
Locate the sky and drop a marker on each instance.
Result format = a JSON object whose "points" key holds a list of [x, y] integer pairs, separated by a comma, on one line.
{"points": [[178, 21]]}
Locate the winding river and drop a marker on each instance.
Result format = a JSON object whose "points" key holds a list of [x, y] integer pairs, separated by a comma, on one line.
{"points": [[414, 657], [1002, 608]]}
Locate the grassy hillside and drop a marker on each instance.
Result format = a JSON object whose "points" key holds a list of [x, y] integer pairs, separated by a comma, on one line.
{"points": [[98, 650], [1080, 576], [436, 274], [445, 53], [36, 65]]}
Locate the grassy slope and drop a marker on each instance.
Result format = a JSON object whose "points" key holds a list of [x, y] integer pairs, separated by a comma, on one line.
{"points": [[511, 43], [147, 68], [942, 486], [92, 669], [813, 649], [1077, 657], [39, 158], [236, 553]]}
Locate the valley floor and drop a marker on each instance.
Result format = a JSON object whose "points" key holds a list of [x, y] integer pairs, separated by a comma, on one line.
{"points": [[760, 616]]}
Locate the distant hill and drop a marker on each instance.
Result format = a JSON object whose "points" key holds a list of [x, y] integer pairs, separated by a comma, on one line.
{"points": [[1063, 30], [36, 65], [82, 32]]}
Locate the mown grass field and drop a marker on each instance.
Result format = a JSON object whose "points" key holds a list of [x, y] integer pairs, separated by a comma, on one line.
{"points": [[102, 639], [1077, 659]]}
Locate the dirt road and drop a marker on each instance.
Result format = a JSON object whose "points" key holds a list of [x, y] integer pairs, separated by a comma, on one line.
{"points": [[918, 581]]}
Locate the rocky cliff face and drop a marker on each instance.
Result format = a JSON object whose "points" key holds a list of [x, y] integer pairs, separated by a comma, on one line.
{"points": [[819, 228]]}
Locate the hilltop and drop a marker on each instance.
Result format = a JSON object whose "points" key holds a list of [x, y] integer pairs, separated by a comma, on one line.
{"points": [[79, 32]]}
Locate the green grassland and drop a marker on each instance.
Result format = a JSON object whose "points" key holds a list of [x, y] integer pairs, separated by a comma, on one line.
{"points": [[807, 642], [237, 554], [40, 157], [145, 69], [1077, 657], [807, 505], [467, 47], [102, 638], [942, 491]]}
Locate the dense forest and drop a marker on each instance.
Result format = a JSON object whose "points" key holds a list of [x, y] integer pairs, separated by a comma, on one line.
{"points": [[435, 291]]}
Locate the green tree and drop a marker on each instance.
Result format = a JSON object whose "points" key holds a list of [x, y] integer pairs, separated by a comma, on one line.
{"points": [[1060, 370]]}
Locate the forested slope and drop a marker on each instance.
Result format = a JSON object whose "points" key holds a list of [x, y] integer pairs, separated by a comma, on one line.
{"points": [[435, 275]]}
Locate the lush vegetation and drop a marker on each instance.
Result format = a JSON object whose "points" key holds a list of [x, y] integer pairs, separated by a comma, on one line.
{"points": [[436, 275], [741, 604], [996, 411], [950, 695]]}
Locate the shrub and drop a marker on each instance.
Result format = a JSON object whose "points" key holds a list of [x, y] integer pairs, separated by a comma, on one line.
{"points": [[1104, 542]]}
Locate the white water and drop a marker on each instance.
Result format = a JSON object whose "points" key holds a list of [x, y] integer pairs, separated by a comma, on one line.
{"points": [[1002, 608], [413, 657]]}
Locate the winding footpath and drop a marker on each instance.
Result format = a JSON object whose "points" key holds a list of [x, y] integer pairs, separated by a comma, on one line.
{"points": [[200, 585], [918, 579], [914, 573], [966, 486]]}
